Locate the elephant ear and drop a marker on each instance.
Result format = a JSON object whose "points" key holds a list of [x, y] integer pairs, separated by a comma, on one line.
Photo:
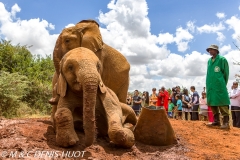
{"points": [[91, 36], [102, 87], [61, 86], [58, 54]]}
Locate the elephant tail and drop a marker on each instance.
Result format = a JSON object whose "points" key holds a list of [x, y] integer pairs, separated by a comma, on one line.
{"points": [[129, 115]]}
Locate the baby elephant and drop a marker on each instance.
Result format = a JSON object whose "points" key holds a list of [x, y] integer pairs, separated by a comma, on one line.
{"points": [[86, 103]]}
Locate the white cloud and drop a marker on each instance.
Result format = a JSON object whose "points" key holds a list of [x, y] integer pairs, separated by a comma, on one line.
{"points": [[127, 23], [15, 9], [225, 49], [183, 37], [190, 26], [220, 15], [220, 37], [165, 38], [70, 25], [234, 23], [132, 15], [33, 32], [211, 28]]}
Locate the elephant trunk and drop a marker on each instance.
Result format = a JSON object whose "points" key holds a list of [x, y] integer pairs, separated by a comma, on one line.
{"points": [[90, 86]]}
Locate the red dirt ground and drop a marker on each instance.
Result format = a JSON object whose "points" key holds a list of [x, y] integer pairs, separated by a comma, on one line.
{"points": [[195, 141]]}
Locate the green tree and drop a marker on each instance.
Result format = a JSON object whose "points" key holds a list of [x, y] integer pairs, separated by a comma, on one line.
{"points": [[13, 87], [37, 71]]}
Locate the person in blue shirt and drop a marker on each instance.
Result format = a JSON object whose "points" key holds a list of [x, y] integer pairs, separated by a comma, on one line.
{"points": [[195, 104], [137, 100], [179, 106]]}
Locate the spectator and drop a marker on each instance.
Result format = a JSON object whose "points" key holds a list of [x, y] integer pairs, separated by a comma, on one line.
{"points": [[129, 99], [195, 104], [174, 101], [172, 96], [235, 104], [166, 98], [145, 99], [153, 99], [161, 97], [137, 100], [216, 81], [170, 108], [178, 89], [179, 106], [186, 107], [203, 114]]}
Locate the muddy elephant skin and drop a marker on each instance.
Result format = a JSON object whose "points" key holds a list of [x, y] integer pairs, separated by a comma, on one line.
{"points": [[85, 102], [86, 33]]}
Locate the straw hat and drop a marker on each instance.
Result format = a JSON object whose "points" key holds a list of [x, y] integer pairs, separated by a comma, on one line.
{"points": [[213, 46]]}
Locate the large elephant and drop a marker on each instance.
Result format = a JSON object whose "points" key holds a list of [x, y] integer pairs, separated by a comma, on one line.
{"points": [[115, 67], [85, 102]]}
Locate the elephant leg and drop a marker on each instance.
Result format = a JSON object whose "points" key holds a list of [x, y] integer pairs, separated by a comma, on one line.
{"points": [[119, 135], [65, 133], [122, 92], [55, 96], [54, 109], [129, 115]]}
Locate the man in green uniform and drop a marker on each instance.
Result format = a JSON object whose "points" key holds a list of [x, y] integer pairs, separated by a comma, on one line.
{"points": [[216, 81]]}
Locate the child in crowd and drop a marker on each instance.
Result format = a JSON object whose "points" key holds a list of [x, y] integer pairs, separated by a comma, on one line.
{"points": [[153, 99], [170, 108], [203, 107], [179, 106]]}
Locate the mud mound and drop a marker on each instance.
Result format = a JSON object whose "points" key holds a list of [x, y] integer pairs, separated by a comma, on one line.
{"points": [[35, 139]]}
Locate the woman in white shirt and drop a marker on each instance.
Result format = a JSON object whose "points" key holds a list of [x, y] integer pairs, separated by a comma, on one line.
{"points": [[203, 107], [235, 104]]}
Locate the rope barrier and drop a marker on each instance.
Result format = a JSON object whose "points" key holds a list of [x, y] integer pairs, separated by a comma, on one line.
{"points": [[209, 111]]}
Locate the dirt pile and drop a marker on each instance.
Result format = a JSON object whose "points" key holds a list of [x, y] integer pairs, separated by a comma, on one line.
{"points": [[35, 139]]}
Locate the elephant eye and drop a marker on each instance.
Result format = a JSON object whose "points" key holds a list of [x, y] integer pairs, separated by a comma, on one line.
{"points": [[70, 68], [67, 40]]}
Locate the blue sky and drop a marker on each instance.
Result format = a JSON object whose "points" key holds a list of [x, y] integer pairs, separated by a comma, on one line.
{"points": [[164, 41]]}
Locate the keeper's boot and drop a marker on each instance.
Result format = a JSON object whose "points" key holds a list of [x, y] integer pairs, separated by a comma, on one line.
{"points": [[216, 121], [225, 124]]}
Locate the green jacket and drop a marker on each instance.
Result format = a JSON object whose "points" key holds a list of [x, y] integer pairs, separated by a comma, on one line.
{"points": [[216, 81]]}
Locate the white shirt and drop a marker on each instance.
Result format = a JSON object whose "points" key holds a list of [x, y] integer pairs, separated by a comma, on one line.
{"points": [[235, 97], [203, 103]]}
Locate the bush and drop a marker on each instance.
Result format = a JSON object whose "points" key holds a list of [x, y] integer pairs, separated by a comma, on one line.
{"points": [[38, 96], [24, 110], [13, 87]]}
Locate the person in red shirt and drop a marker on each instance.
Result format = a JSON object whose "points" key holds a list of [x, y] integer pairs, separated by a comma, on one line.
{"points": [[166, 98], [163, 98]]}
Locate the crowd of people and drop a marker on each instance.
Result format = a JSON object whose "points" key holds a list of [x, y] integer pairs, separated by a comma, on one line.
{"points": [[178, 104], [181, 105], [207, 106]]}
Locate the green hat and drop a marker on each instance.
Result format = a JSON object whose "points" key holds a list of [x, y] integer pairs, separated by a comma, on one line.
{"points": [[213, 46]]}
